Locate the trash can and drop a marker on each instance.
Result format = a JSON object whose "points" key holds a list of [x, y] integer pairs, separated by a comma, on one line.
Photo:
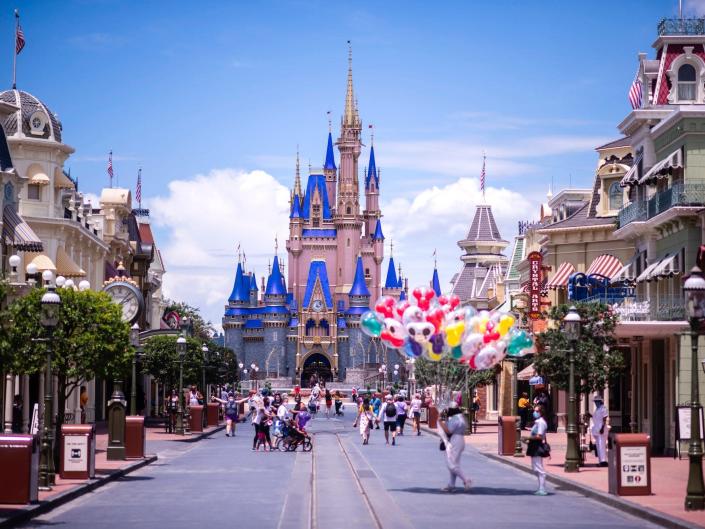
{"points": [[77, 459], [135, 437], [196, 418], [19, 461], [630, 465], [432, 417], [507, 433], [213, 409]]}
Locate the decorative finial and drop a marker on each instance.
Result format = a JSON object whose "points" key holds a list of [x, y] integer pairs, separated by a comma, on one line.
{"points": [[276, 244], [372, 134], [269, 267], [297, 178], [391, 247], [330, 124], [435, 258], [239, 254]]}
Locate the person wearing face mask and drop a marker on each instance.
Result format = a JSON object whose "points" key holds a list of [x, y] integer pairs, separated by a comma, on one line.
{"points": [[231, 406], [536, 442], [600, 429]]}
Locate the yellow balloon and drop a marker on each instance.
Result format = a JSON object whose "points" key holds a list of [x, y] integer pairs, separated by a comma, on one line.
{"points": [[454, 333], [431, 355]]}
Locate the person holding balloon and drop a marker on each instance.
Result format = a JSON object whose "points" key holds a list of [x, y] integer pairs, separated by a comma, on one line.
{"points": [[452, 432]]}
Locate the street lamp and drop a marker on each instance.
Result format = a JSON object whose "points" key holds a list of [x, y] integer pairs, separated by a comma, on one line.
{"points": [[382, 376], [14, 261], [206, 358], [694, 289], [181, 350], [571, 330], [135, 343], [51, 306]]}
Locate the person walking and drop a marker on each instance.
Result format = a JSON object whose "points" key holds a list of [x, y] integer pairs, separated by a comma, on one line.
{"points": [[172, 409], [402, 407], [415, 407], [452, 432], [599, 429], [365, 419], [524, 406], [536, 448], [230, 407], [329, 403], [338, 402], [376, 402], [266, 423], [83, 402], [388, 416]]}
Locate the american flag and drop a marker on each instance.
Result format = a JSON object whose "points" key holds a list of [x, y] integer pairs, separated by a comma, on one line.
{"points": [[138, 189], [635, 92], [482, 175], [19, 39], [110, 167]]}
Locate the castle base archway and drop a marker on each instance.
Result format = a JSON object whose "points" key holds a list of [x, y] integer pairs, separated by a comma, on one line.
{"points": [[316, 368]]}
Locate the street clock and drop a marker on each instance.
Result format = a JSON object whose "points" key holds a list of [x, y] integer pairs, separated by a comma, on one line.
{"points": [[127, 295]]}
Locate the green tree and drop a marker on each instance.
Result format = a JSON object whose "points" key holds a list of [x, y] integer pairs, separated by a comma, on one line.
{"points": [[598, 361], [449, 374], [161, 360], [90, 340], [202, 329]]}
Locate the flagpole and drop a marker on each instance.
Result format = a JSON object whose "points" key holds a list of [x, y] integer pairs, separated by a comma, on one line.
{"points": [[14, 58]]}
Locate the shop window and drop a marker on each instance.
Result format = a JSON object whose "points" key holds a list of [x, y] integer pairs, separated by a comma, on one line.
{"points": [[34, 192]]}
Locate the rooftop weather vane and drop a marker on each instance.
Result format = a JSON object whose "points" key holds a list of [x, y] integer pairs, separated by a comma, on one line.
{"points": [[110, 167], [330, 124], [19, 46], [483, 175]]}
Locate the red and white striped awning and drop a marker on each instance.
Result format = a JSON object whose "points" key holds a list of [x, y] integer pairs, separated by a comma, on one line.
{"points": [[560, 278], [606, 265]]}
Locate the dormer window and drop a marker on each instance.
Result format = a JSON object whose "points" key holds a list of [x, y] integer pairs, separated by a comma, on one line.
{"points": [[686, 83], [616, 196]]}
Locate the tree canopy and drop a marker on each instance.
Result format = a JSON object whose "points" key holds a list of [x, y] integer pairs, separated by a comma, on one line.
{"points": [[597, 360]]}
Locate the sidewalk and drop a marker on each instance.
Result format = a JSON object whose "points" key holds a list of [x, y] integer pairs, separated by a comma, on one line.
{"points": [[106, 471], [669, 478]]}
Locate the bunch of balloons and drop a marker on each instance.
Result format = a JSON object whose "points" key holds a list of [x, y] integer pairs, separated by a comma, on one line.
{"points": [[434, 326]]}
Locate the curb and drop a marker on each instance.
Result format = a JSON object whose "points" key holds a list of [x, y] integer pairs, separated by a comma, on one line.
{"points": [[31, 511], [645, 513], [200, 435]]}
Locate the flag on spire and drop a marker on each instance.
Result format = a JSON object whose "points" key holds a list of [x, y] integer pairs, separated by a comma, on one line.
{"points": [[482, 175], [19, 38], [110, 167], [636, 92], [138, 189]]}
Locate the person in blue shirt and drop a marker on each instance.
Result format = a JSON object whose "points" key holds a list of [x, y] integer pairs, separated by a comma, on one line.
{"points": [[376, 403]]}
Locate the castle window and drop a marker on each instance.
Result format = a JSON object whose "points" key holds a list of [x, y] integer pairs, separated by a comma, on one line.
{"points": [[686, 83], [348, 243], [348, 210], [616, 196], [367, 273]]}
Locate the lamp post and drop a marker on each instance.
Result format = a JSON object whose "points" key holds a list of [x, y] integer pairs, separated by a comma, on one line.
{"points": [[396, 373], [571, 329], [135, 343], [694, 290], [206, 358], [51, 306], [181, 350], [382, 376], [518, 449]]}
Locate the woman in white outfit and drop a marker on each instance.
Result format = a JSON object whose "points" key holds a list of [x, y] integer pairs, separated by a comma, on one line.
{"points": [[452, 432], [535, 440]]}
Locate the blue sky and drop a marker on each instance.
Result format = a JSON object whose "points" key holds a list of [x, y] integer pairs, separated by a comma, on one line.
{"points": [[226, 90]]}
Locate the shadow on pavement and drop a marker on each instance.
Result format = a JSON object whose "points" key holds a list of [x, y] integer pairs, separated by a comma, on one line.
{"points": [[136, 478], [475, 491]]}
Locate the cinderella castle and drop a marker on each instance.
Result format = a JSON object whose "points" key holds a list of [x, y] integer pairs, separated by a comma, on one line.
{"points": [[308, 322]]}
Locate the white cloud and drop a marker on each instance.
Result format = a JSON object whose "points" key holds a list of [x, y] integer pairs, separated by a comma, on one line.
{"points": [[695, 7], [205, 219], [452, 157], [438, 217]]}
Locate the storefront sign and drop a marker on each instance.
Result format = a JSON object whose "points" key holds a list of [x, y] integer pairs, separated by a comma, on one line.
{"points": [[75, 453], [633, 461], [535, 261]]}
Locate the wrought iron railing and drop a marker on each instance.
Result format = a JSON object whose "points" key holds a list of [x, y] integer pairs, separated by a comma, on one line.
{"points": [[638, 308], [681, 26], [677, 195]]}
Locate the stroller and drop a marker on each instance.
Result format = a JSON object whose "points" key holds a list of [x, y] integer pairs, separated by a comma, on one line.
{"points": [[339, 408], [312, 406]]}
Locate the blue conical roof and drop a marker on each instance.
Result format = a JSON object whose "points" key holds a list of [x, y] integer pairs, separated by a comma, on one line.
{"points": [[295, 207], [275, 282], [330, 156], [253, 282], [359, 288], [402, 296], [391, 281], [378, 231], [435, 282], [400, 283], [372, 170], [238, 294]]}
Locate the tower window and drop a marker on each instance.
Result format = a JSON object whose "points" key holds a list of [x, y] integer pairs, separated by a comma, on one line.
{"points": [[616, 196], [348, 243], [348, 210], [34, 192], [686, 83], [367, 273]]}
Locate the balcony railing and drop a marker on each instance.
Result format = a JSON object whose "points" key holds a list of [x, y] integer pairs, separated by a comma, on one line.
{"points": [[685, 26], [677, 195], [661, 308]]}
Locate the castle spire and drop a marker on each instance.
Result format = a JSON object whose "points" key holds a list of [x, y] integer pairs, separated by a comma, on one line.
{"points": [[359, 288], [297, 179], [350, 116], [330, 156]]}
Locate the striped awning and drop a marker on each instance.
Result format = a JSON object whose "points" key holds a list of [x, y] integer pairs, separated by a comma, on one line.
{"points": [[668, 266], [560, 278], [606, 265], [527, 373], [67, 267], [663, 168], [17, 233], [632, 175], [628, 271], [39, 179], [647, 274]]}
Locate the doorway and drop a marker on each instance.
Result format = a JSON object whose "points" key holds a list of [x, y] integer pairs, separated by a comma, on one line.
{"points": [[316, 368], [658, 394]]}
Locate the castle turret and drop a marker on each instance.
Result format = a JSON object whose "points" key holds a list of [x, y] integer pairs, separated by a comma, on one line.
{"points": [[330, 170], [435, 282], [294, 244], [372, 212], [359, 294], [239, 295], [275, 294], [391, 284], [253, 290]]}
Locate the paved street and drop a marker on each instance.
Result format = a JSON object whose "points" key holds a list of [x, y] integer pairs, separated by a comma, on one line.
{"points": [[220, 482]]}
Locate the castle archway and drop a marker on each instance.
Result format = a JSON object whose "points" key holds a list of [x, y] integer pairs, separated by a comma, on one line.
{"points": [[316, 368]]}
